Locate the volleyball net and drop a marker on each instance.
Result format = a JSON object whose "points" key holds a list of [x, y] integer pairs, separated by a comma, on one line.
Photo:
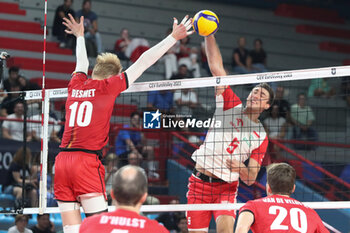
{"points": [[307, 127]]}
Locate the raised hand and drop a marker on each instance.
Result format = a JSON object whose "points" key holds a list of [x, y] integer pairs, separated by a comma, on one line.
{"points": [[181, 30], [73, 27]]}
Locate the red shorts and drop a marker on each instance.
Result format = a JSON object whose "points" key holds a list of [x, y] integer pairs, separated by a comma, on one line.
{"points": [[200, 192], [78, 173]]}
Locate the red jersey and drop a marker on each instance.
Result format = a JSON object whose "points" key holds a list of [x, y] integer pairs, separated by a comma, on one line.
{"points": [[121, 221], [89, 108], [278, 213]]}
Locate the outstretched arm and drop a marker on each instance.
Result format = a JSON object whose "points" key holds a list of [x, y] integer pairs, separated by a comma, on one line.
{"points": [[152, 55], [77, 29], [215, 61]]}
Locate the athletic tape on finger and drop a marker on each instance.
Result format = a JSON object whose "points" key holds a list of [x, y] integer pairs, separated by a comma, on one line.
{"points": [[188, 22], [184, 20]]}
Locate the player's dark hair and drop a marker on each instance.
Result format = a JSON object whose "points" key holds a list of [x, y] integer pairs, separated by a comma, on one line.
{"points": [[281, 178], [269, 90], [129, 185]]}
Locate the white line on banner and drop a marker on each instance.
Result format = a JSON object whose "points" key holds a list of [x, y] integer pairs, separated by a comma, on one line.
{"points": [[291, 75]]}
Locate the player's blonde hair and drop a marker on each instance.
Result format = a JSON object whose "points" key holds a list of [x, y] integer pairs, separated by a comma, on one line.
{"points": [[107, 64]]}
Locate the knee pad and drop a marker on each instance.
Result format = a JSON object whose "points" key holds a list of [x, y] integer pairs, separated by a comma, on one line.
{"points": [[68, 206], [71, 228], [93, 205]]}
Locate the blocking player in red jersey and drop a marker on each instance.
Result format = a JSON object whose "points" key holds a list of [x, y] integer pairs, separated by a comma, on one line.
{"points": [[79, 174], [130, 192], [220, 159], [278, 212]]}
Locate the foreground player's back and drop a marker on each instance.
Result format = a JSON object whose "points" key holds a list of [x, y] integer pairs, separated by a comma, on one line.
{"points": [[278, 213], [121, 221]]}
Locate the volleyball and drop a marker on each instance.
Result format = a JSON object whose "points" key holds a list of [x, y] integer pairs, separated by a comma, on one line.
{"points": [[205, 23]]}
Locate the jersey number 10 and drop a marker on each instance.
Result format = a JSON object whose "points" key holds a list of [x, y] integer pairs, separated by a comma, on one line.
{"points": [[79, 117]]}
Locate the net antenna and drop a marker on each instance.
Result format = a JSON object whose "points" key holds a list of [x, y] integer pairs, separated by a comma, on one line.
{"points": [[44, 132]]}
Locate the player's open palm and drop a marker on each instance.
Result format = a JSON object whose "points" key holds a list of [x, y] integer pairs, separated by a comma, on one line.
{"points": [[73, 27], [181, 30]]}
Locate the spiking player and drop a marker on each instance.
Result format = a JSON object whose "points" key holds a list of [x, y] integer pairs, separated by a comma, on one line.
{"points": [[278, 212], [219, 160], [79, 173]]}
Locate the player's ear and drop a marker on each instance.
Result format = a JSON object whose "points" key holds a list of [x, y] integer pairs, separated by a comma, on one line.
{"points": [[268, 189], [293, 189], [112, 194], [143, 198]]}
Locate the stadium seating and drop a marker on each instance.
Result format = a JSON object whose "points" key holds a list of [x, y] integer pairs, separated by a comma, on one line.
{"points": [[346, 62], [11, 8], [335, 47], [32, 45], [20, 26], [51, 82], [6, 221], [7, 200], [311, 174], [151, 23], [309, 13], [323, 31]]}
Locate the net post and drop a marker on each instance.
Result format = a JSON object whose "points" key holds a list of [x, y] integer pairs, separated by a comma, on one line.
{"points": [[44, 155]]}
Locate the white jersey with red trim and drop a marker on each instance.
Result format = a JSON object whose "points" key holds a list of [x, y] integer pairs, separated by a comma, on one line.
{"points": [[238, 138]]}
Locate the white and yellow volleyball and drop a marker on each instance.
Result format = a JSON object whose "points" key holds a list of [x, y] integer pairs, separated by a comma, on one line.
{"points": [[205, 23]]}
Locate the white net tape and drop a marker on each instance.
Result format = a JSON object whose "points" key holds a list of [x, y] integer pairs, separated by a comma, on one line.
{"points": [[291, 75]]}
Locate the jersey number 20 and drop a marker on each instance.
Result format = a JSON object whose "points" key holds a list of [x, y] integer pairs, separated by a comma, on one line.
{"points": [[298, 219], [79, 117]]}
